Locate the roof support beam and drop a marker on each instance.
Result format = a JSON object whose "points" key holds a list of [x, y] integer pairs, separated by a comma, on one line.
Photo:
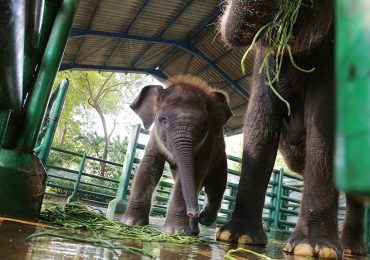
{"points": [[132, 23], [156, 73], [214, 61], [96, 8], [187, 46], [204, 23], [170, 24]]}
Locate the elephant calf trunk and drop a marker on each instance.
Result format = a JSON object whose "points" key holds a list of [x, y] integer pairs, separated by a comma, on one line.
{"points": [[183, 152]]}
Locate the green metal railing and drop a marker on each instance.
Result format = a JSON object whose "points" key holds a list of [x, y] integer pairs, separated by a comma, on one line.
{"points": [[78, 183], [279, 205], [282, 203]]}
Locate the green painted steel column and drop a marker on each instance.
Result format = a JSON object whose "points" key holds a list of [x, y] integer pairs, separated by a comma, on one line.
{"points": [[273, 212], [118, 205], [45, 121], [73, 197], [4, 119], [54, 119], [12, 24], [353, 96], [48, 69], [22, 184], [275, 231]]}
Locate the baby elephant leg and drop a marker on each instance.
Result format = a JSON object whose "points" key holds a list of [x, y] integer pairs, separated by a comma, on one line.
{"points": [[215, 185], [146, 179], [176, 219]]}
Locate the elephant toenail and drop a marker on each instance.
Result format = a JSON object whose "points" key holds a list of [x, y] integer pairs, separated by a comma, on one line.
{"points": [[347, 252], [304, 249], [245, 239], [328, 253], [224, 236]]}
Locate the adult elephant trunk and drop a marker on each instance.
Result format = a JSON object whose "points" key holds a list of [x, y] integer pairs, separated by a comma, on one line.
{"points": [[182, 148], [242, 19]]}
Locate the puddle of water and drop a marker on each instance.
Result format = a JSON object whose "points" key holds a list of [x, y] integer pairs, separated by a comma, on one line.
{"points": [[13, 245]]}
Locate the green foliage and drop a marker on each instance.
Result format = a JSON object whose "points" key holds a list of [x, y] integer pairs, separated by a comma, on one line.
{"points": [[90, 116]]}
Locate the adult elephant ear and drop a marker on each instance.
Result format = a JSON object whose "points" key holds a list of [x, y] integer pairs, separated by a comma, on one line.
{"points": [[145, 104], [220, 111]]}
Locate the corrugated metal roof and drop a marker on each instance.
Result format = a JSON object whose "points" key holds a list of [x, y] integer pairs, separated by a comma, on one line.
{"points": [[159, 37]]}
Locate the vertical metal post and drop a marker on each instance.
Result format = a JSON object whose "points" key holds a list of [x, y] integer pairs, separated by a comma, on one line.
{"points": [[4, 119], [12, 24], [275, 231], [73, 196], [274, 211], [54, 119], [45, 78], [353, 96], [118, 205], [38, 11], [44, 124], [279, 191]]}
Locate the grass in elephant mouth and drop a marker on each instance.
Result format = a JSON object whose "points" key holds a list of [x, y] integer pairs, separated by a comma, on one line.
{"points": [[278, 33], [103, 232]]}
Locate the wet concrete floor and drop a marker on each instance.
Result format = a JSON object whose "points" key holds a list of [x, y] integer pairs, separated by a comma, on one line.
{"points": [[14, 245]]}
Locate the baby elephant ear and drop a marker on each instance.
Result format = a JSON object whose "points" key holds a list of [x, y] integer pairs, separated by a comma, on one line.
{"points": [[145, 104], [221, 111]]}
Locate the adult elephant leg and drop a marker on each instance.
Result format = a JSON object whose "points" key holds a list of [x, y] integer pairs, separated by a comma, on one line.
{"points": [[353, 228], [316, 233], [261, 137], [215, 185], [146, 179]]}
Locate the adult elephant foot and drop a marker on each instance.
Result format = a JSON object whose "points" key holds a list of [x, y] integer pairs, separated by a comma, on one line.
{"points": [[326, 247], [353, 239], [355, 248], [353, 229], [238, 231]]}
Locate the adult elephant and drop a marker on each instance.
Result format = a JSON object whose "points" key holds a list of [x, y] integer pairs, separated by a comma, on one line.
{"points": [[305, 138]]}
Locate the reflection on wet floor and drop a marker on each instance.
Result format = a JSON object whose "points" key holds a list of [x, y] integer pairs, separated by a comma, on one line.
{"points": [[14, 245]]}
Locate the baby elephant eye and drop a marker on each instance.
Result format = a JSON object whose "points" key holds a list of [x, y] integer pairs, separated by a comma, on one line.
{"points": [[163, 120]]}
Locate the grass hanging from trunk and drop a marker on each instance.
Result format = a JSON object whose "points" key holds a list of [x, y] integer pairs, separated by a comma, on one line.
{"points": [[278, 33]]}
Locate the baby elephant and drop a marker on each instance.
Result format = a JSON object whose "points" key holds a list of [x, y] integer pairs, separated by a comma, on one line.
{"points": [[188, 133]]}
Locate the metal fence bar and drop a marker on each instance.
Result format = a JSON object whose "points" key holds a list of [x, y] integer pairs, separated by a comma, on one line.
{"points": [[73, 197], [4, 119], [84, 173], [54, 119], [87, 156], [118, 205]]}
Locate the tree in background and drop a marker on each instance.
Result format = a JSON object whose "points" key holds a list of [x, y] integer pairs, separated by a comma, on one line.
{"points": [[96, 98]]}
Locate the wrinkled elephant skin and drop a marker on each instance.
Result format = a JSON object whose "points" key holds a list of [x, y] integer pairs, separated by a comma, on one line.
{"points": [[305, 138], [188, 122]]}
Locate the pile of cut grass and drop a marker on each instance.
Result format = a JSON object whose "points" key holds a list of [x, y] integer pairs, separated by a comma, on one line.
{"points": [[103, 232]]}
